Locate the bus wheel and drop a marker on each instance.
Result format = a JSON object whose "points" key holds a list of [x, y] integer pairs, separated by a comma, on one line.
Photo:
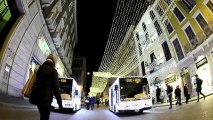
{"points": [[141, 111]]}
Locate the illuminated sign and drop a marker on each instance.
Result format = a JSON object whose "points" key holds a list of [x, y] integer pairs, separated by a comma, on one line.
{"points": [[63, 80], [133, 80], [201, 62], [170, 79]]}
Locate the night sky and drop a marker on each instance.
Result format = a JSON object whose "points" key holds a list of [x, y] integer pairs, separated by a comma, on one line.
{"points": [[94, 21]]}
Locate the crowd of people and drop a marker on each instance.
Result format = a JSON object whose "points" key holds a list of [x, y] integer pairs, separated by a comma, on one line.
{"points": [[177, 92], [90, 101]]}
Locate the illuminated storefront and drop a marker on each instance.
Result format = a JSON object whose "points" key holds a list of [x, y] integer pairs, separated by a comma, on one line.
{"points": [[171, 80], [203, 72], [44, 46]]}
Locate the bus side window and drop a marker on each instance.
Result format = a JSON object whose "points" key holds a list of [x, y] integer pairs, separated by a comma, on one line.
{"points": [[76, 92], [116, 87]]}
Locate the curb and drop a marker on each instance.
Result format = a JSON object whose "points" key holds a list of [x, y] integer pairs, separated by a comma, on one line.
{"points": [[190, 100], [3, 104]]}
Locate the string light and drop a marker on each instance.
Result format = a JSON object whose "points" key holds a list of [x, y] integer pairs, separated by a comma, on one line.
{"points": [[121, 53], [120, 56]]}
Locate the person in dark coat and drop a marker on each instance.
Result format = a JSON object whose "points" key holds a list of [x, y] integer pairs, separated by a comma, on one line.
{"points": [[47, 85], [169, 94], [158, 91], [186, 93], [199, 87], [178, 95], [92, 102]]}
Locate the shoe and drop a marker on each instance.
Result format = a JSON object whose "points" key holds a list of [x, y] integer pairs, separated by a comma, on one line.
{"points": [[170, 107], [198, 101]]}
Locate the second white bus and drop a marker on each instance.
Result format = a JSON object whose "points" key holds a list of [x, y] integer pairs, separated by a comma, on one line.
{"points": [[129, 94]]}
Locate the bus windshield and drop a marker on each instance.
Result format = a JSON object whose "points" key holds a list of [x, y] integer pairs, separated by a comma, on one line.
{"points": [[65, 88], [133, 88]]}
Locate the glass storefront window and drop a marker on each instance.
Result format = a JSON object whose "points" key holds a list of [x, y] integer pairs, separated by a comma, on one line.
{"points": [[44, 46]]}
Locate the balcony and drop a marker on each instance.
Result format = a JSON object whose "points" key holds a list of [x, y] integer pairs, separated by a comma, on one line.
{"points": [[52, 26], [56, 39], [61, 52], [46, 3]]}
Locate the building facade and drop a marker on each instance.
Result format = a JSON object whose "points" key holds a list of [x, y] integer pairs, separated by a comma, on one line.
{"points": [[79, 72], [42, 27], [177, 44]]}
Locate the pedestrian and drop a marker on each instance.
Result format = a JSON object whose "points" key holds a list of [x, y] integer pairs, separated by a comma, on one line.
{"points": [[199, 87], [106, 102], [87, 103], [97, 100], [92, 102], [158, 91], [47, 85], [186, 93], [169, 94], [178, 95]]}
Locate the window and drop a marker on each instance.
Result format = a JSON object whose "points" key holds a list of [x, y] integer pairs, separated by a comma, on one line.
{"points": [[191, 36], [137, 36], [152, 57], [166, 51], [147, 37], [178, 14], [187, 5], [152, 15], [144, 26], [158, 28], [168, 26], [203, 24], [143, 68], [168, 2], [160, 10], [178, 49], [210, 5], [140, 49]]}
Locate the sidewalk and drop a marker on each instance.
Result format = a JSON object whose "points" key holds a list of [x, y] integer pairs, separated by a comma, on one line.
{"points": [[182, 100], [15, 102], [18, 102]]}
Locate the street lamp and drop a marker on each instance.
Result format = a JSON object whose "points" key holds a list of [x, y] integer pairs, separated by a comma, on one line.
{"points": [[88, 73]]}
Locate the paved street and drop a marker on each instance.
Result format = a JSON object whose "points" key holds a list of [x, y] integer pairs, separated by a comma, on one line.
{"points": [[192, 111]]}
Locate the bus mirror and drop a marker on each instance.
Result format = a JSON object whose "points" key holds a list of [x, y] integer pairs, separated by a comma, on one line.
{"points": [[76, 92], [116, 87]]}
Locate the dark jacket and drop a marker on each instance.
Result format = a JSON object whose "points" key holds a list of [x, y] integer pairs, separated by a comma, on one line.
{"points": [[177, 92], [47, 84], [169, 90], [186, 91], [92, 100]]}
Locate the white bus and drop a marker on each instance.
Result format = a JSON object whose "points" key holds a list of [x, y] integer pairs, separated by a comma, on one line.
{"points": [[129, 93], [70, 94]]}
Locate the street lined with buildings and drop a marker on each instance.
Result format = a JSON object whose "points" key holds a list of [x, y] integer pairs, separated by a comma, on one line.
{"points": [[202, 110]]}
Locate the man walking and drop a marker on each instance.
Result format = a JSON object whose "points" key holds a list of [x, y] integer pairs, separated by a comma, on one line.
{"points": [[169, 94], [199, 87], [186, 93], [178, 95]]}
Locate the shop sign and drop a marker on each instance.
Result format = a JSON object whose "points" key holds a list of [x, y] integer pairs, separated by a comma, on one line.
{"points": [[201, 62], [170, 79]]}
